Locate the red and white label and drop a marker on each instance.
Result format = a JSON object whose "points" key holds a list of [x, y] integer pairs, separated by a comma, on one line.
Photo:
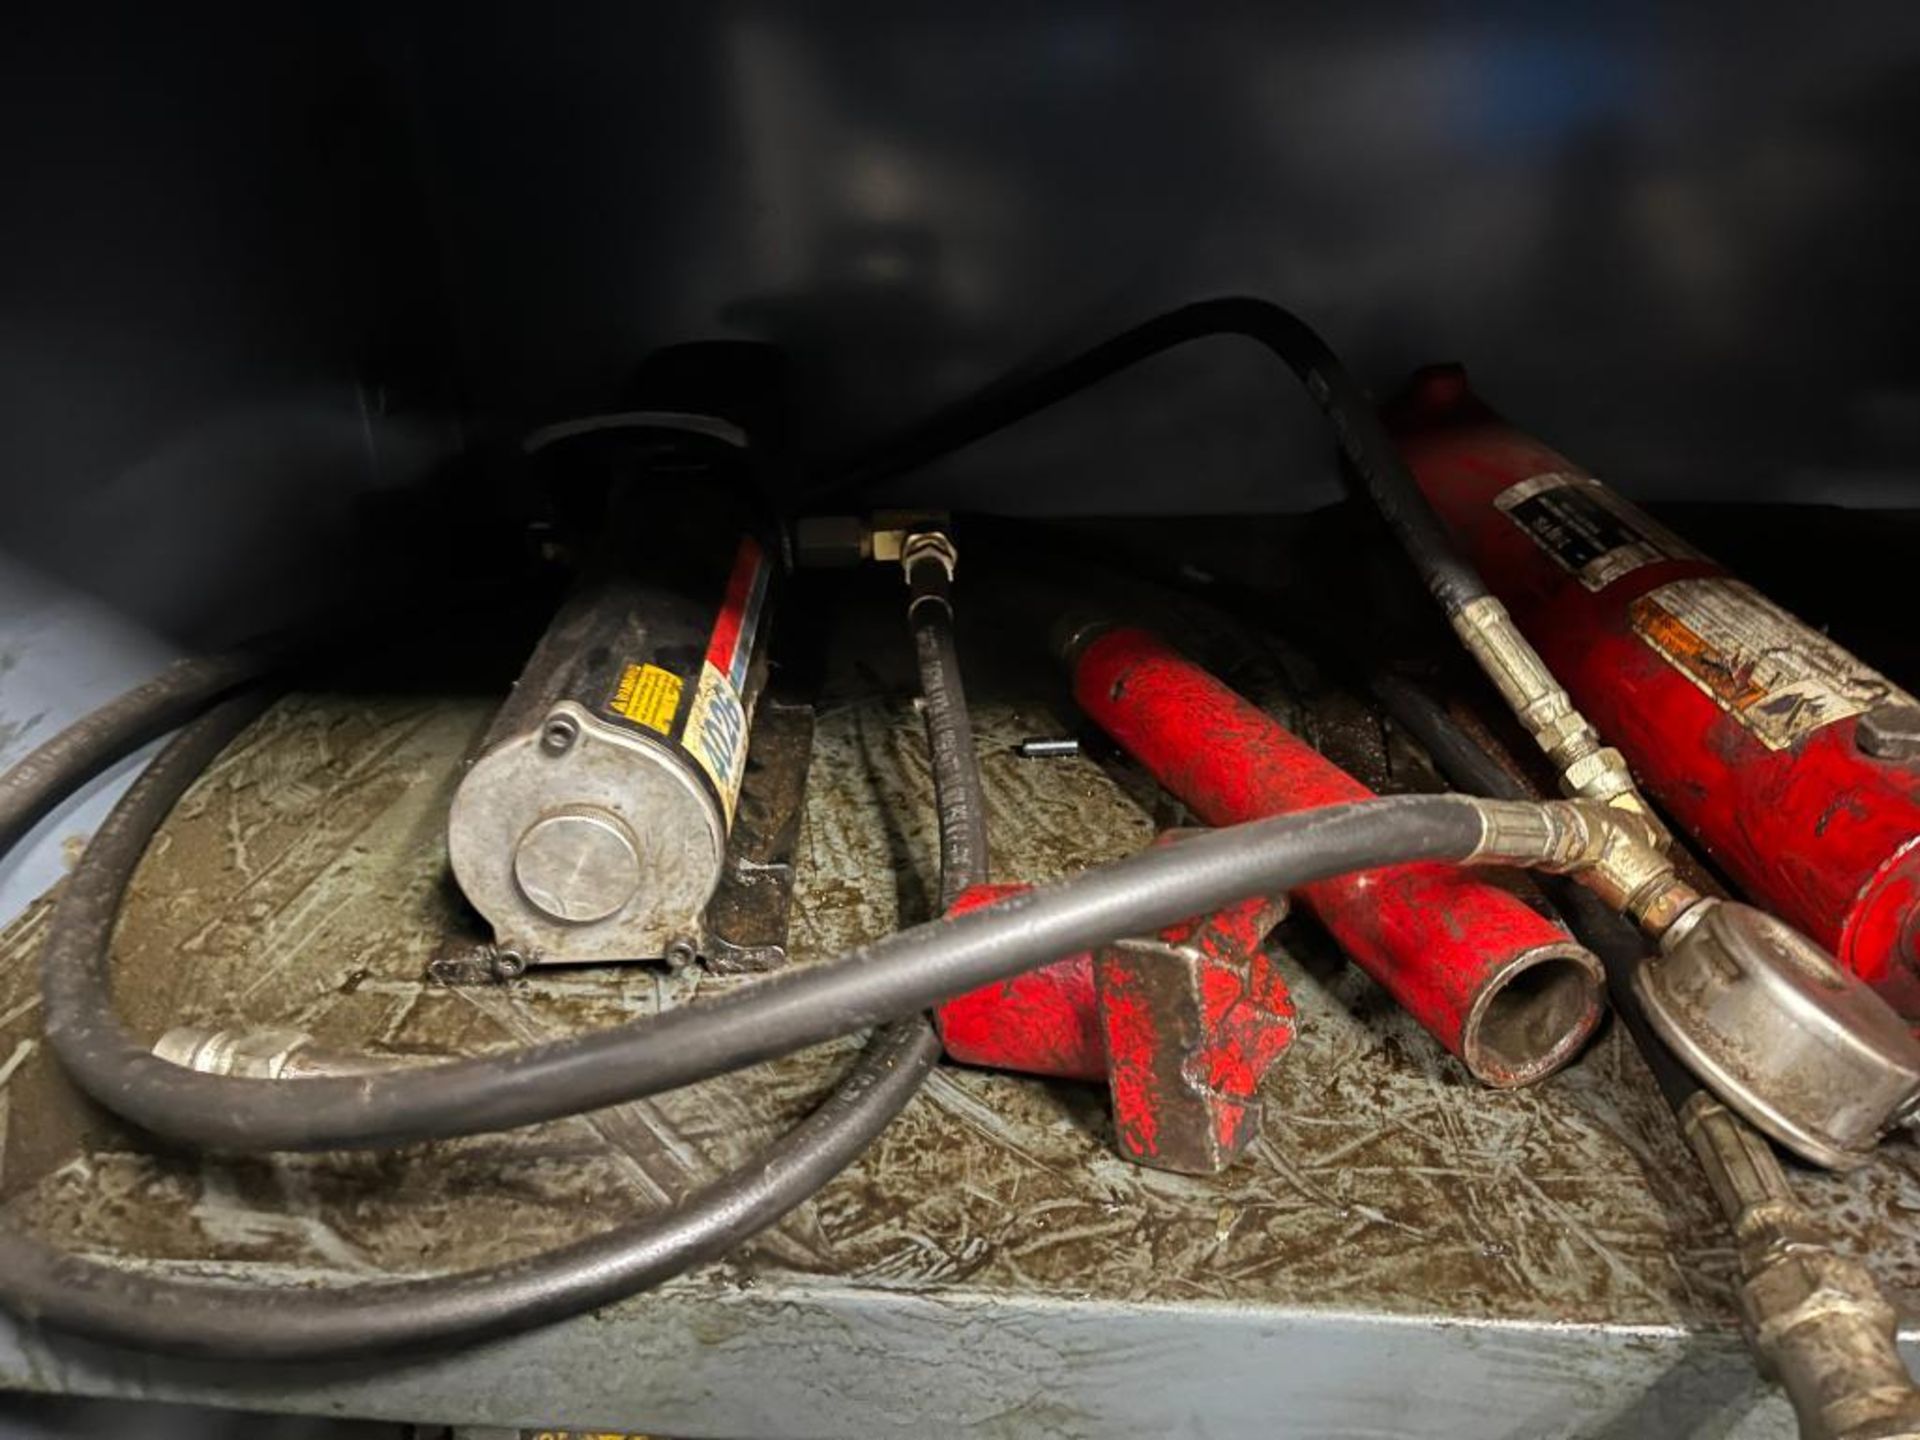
{"points": [[1778, 678], [716, 733]]}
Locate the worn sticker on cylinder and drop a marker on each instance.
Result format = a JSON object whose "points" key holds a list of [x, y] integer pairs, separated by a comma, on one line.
{"points": [[716, 733], [1587, 529], [1773, 674], [648, 695]]}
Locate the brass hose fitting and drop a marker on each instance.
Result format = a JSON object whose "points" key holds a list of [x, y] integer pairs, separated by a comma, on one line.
{"points": [[1801, 1048], [1588, 768], [269, 1053], [1614, 851], [1816, 1317]]}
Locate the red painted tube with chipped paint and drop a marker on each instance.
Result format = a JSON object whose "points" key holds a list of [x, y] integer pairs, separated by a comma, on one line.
{"points": [[1498, 984], [1183, 1025], [1039, 1022], [1742, 722]]}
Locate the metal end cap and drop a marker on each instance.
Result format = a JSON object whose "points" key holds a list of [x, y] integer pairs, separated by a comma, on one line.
{"points": [[578, 865], [1801, 1049]]}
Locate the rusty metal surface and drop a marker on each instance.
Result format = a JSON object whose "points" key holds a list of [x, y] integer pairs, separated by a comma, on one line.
{"points": [[747, 918], [1560, 1236]]}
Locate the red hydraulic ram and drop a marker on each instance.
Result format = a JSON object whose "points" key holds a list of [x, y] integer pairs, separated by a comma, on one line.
{"points": [[1795, 766], [1499, 985]]}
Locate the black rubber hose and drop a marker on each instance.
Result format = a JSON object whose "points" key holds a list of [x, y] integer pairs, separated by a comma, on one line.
{"points": [[890, 979], [1619, 945], [36, 784], [181, 1317], [46, 1286], [49, 1287], [960, 796], [1363, 440]]}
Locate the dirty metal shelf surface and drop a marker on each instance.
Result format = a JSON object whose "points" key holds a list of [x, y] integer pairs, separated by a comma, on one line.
{"points": [[1403, 1252]]}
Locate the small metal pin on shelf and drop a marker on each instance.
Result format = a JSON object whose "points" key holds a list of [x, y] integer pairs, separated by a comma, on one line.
{"points": [[1042, 747]]}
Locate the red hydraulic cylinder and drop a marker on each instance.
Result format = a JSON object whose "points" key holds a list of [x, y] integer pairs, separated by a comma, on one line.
{"points": [[1499, 985], [1794, 765]]}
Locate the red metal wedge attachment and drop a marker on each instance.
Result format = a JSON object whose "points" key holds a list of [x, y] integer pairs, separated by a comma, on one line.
{"points": [[1184, 1025], [1193, 1020]]}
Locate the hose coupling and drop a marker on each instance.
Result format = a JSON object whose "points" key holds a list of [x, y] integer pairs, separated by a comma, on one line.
{"points": [[1588, 768], [250, 1054], [934, 545], [928, 559], [832, 542], [1817, 1318], [270, 1053], [1613, 851]]}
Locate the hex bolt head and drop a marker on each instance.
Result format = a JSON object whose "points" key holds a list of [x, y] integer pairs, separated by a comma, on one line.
{"points": [[1890, 732]]}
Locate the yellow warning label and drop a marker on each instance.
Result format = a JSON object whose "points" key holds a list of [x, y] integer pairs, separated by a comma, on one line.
{"points": [[649, 696]]}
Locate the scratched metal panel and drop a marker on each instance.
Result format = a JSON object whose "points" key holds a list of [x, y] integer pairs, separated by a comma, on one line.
{"points": [[1634, 220], [1403, 1248]]}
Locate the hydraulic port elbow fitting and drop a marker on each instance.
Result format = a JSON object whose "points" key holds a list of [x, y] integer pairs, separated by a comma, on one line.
{"points": [[1615, 851], [1801, 1048]]}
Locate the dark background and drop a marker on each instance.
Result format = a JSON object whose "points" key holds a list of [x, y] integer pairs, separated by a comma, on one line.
{"points": [[259, 262]]}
